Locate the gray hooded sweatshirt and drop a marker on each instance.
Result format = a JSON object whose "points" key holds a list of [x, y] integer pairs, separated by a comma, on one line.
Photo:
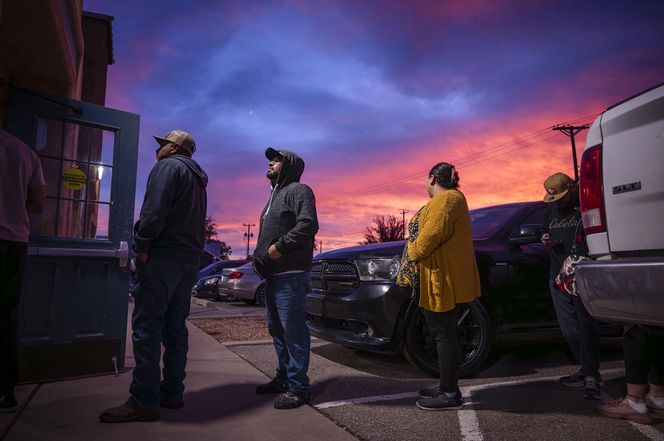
{"points": [[172, 221], [288, 221]]}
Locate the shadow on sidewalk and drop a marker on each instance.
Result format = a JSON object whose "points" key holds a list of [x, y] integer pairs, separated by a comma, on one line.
{"points": [[216, 403]]}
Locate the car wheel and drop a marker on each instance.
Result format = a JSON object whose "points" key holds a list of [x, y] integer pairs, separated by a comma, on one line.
{"points": [[475, 338], [260, 295]]}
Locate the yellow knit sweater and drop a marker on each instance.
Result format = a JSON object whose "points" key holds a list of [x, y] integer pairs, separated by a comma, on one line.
{"points": [[444, 251]]}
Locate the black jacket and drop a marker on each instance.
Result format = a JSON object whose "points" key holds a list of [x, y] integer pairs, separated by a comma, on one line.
{"points": [[289, 221], [172, 221]]}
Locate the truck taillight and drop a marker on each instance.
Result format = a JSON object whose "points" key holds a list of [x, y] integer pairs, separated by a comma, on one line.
{"points": [[590, 182], [235, 275]]}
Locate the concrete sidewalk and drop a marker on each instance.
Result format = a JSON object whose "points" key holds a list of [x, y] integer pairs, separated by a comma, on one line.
{"points": [[220, 404]]}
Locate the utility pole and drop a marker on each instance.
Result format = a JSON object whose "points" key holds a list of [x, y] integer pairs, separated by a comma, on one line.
{"points": [[571, 131], [403, 222], [320, 246], [248, 235]]}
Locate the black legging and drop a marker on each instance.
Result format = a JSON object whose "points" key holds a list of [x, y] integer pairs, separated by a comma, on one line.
{"points": [[644, 354], [443, 329]]}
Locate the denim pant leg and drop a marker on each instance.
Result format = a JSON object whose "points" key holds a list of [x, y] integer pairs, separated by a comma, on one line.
{"points": [[157, 285], [175, 335], [276, 330], [588, 339], [566, 314], [287, 324]]}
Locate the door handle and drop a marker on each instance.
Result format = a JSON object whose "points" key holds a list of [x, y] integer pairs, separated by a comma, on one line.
{"points": [[122, 253]]}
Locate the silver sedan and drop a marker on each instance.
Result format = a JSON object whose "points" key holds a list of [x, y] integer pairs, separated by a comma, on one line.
{"points": [[242, 283]]}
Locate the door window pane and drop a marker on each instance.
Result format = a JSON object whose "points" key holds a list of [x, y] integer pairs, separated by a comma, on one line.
{"points": [[77, 161], [99, 183]]}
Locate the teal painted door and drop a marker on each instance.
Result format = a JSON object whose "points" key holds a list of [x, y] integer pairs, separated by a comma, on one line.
{"points": [[73, 310]]}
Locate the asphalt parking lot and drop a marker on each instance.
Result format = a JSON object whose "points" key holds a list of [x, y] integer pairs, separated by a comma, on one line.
{"points": [[516, 398]]}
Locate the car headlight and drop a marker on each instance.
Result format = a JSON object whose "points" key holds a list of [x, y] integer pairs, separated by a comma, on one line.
{"points": [[212, 281], [378, 269]]}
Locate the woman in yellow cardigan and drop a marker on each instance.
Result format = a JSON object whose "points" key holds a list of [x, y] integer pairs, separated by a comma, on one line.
{"points": [[443, 250]]}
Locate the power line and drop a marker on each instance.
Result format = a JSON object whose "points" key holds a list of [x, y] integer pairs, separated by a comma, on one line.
{"points": [[461, 160], [571, 131]]}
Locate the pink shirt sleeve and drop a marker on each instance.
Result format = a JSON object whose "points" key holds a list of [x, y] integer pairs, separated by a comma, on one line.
{"points": [[37, 178]]}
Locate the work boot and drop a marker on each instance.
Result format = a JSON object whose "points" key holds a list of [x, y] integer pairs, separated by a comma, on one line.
{"points": [[127, 413], [274, 386]]}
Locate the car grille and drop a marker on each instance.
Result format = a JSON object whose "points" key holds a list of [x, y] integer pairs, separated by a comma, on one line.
{"points": [[334, 276]]}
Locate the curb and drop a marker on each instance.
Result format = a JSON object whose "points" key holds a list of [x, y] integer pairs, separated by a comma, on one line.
{"points": [[202, 302]]}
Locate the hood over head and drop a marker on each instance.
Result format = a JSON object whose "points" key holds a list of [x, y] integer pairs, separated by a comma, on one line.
{"points": [[291, 168]]}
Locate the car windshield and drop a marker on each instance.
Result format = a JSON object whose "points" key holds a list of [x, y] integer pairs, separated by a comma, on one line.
{"points": [[486, 221]]}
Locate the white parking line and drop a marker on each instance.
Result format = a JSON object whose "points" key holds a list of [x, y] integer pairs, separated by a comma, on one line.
{"points": [[468, 423], [649, 432], [364, 400]]}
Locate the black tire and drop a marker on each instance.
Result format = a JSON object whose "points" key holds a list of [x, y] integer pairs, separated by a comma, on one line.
{"points": [[475, 339], [259, 297]]}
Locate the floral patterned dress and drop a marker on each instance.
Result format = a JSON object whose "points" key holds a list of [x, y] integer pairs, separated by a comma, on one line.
{"points": [[408, 274]]}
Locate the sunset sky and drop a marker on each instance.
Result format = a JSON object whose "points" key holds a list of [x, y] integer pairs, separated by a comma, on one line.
{"points": [[373, 93]]}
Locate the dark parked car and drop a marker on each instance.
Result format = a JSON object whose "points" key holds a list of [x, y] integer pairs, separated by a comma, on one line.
{"points": [[354, 300], [206, 287]]}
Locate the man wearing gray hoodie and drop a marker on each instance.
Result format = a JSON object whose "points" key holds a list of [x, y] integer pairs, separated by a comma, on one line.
{"points": [[283, 256], [169, 241]]}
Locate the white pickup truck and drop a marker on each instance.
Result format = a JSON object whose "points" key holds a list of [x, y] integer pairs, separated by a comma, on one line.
{"points": [[622, 206]]}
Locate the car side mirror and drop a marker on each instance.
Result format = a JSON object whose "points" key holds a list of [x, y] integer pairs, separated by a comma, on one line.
{"points": [[527, 234]]}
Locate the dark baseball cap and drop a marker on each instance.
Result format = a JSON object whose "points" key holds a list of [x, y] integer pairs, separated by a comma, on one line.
{"points": [[271, 153]]}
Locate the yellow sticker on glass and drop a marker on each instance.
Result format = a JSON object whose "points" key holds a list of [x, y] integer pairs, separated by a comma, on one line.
{"points": [[74, 179]]}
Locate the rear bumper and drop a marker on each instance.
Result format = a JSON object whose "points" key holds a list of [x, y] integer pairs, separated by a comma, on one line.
{"points": [[365, 319], [625, 290]]}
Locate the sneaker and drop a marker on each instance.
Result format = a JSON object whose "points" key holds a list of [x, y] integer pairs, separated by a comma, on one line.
{"points": [[592, 388], [275, 386], [654, 410], [574, 380], [127, 413], [8, 404], [621, 409], [433, 392], [441, 402], [291, 400]]}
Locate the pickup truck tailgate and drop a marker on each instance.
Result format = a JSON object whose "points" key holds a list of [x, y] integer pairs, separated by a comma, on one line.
{"points": [[633, 173]]}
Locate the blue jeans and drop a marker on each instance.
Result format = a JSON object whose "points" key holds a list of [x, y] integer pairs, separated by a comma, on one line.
{"points": [[580, 329], [161, 307], [286, 321]]}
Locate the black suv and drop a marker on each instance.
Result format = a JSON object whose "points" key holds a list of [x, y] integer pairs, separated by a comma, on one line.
{"points": [[354, 300]]}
